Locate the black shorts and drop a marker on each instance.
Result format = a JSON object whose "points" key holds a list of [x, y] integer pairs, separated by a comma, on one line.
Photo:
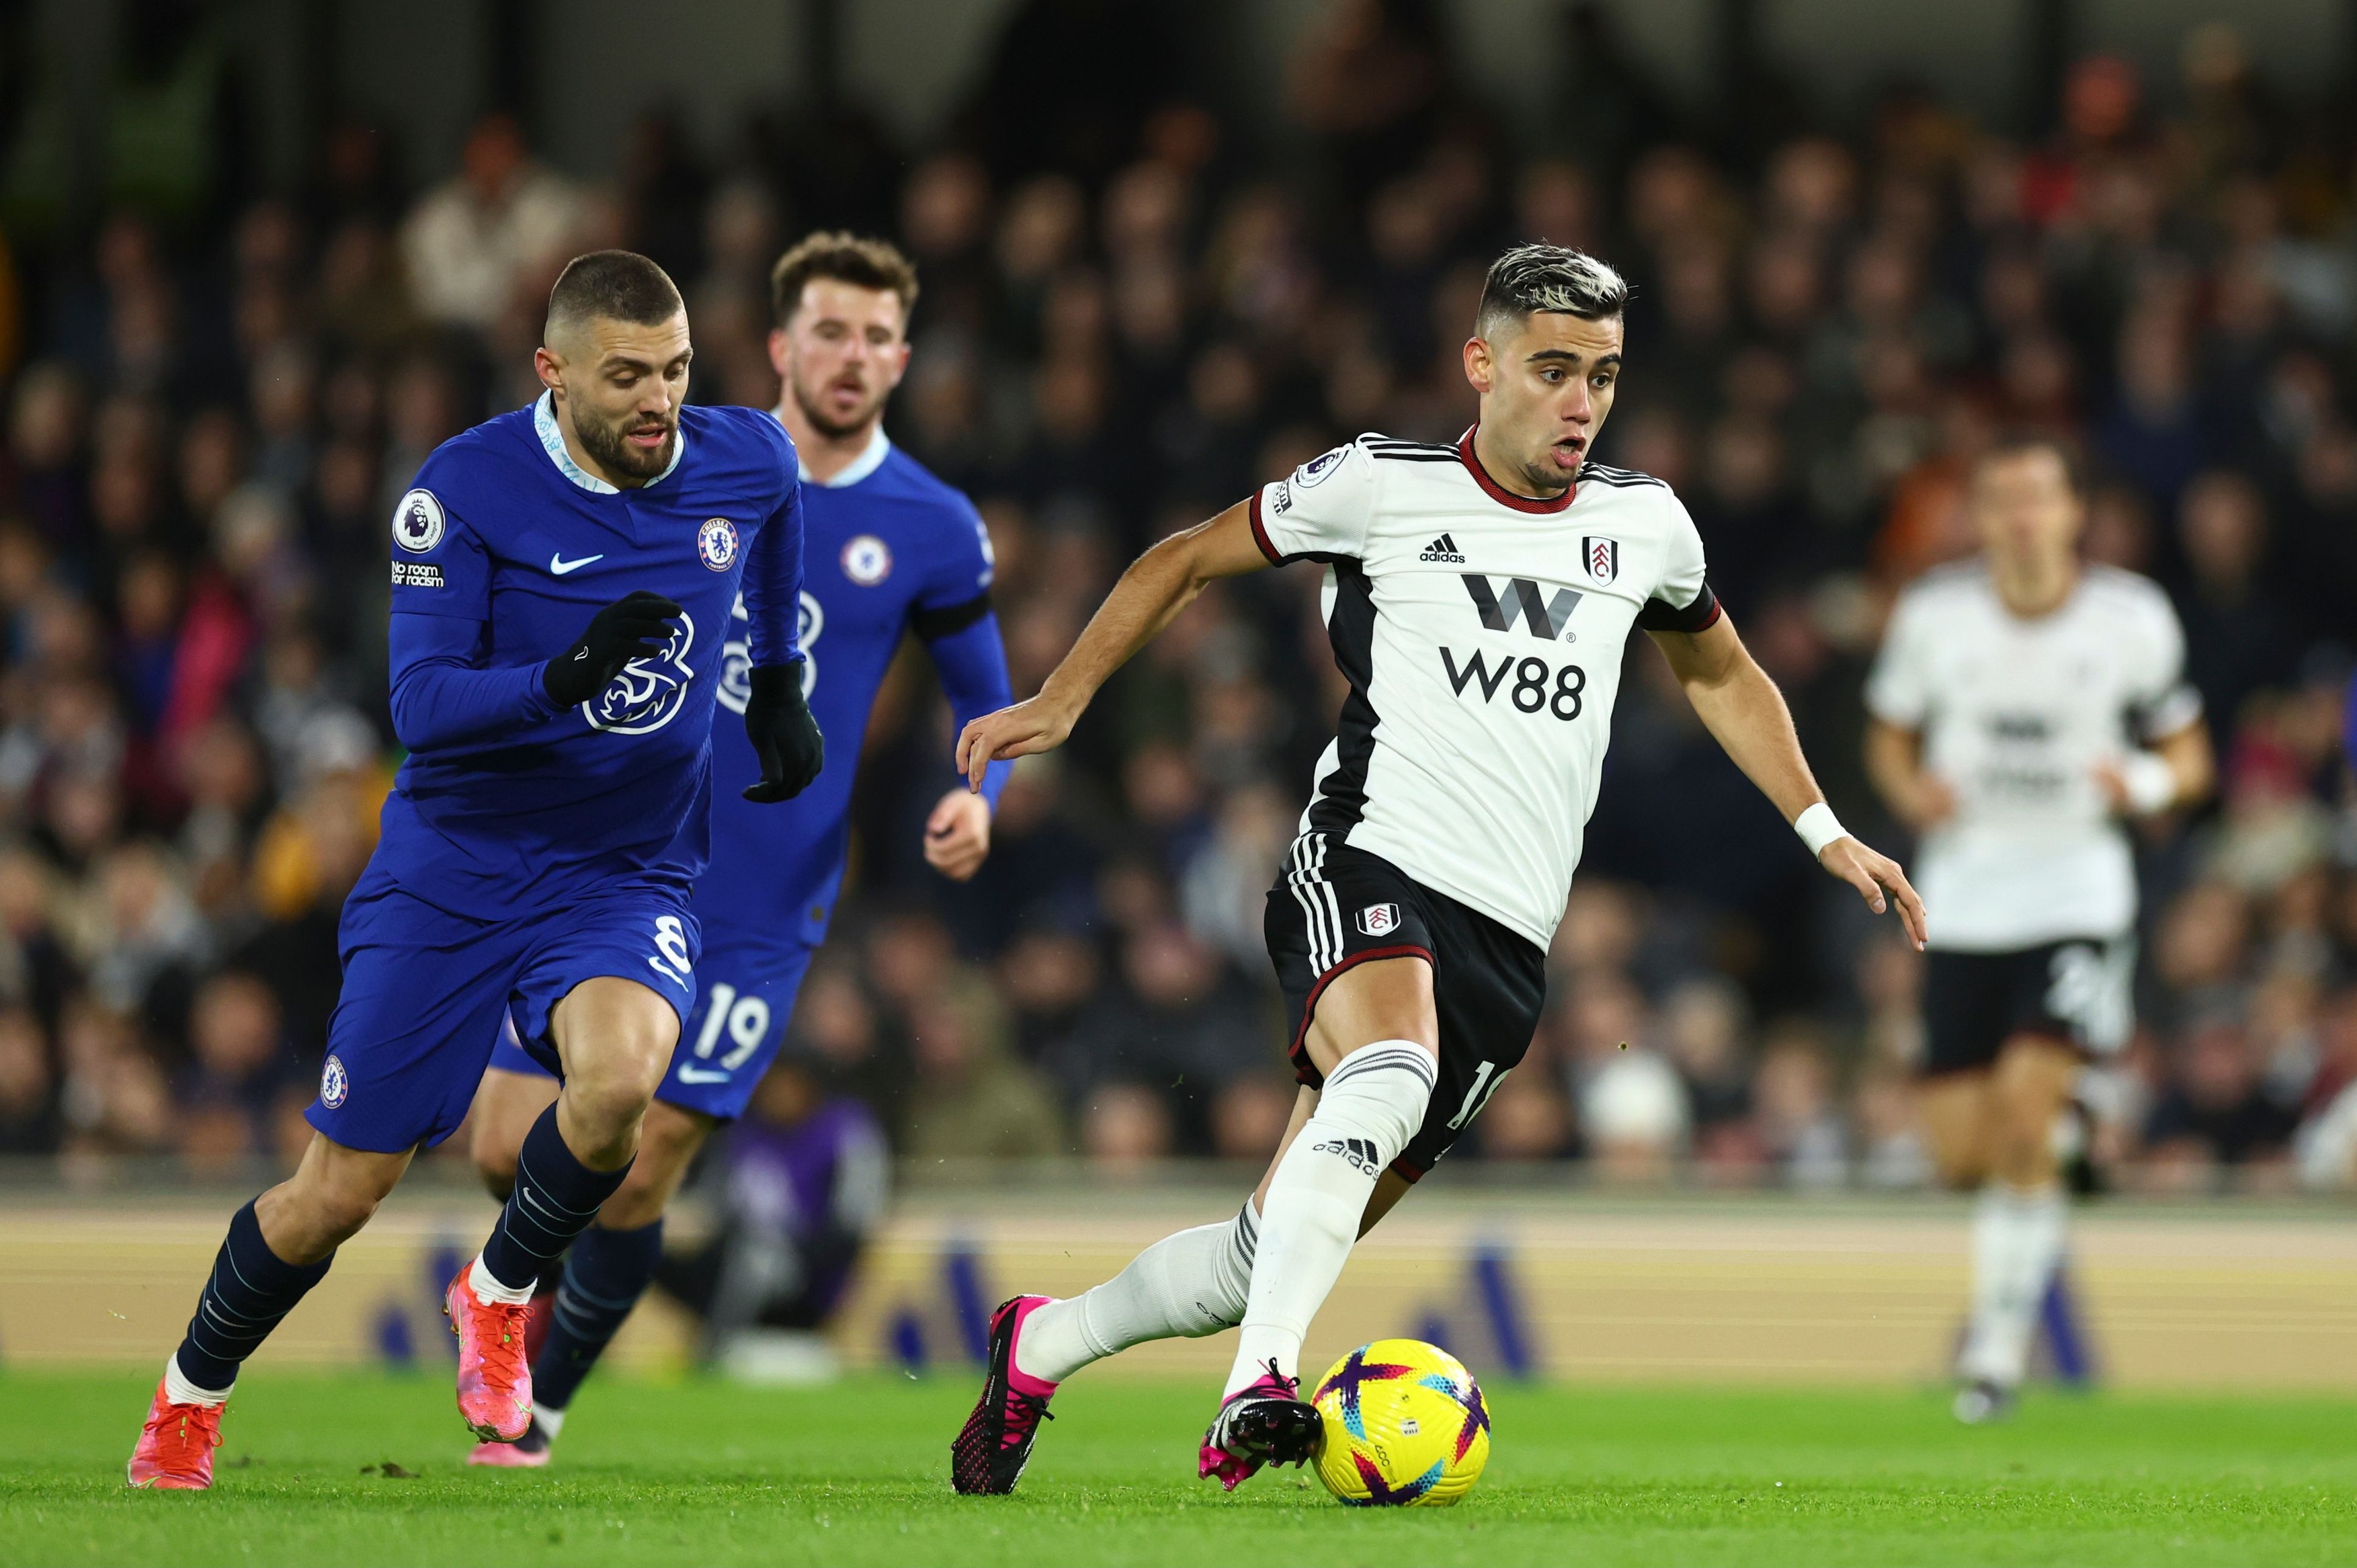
{"points": [[1334, 907], [2079, 992]]}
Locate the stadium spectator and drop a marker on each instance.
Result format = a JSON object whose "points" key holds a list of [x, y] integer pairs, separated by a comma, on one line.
{"points": [[501, 220], [968, 1099], [797, 1184], [28, 1107], [239, 1069]]}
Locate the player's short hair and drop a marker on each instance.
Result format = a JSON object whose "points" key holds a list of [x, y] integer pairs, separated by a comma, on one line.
{"points": [[1531, 278], [2011, 444], [612, 286], [844, 257]]}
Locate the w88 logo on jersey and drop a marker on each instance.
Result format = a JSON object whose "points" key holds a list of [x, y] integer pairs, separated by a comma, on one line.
{"points": [[1531, 684]]}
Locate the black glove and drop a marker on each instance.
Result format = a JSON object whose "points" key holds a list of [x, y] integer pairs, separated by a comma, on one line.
{"points": [[637, 626], [784, 735]]}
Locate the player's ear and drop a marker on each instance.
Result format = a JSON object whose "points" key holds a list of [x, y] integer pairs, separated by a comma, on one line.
{"points": [[550, 368], [1481, 366]]}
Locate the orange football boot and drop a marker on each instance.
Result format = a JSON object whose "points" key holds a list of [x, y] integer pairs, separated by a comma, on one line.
{"points": [[176, 1446], [494, 1377], [529, 1451]]}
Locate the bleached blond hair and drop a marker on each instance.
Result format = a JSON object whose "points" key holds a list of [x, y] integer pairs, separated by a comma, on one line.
{"points": [[1537, 277]]}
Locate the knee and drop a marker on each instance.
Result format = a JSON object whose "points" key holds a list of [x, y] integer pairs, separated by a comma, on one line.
{"points": [[2022, 1141], [347, 1212], [2024, 1098], [497, 1179], [343, 1203], [616, 1044], [495, 1163], [1959, 1151], [1384, 1088], [2021, 1107], [1958, 1170], [617, 1091]]}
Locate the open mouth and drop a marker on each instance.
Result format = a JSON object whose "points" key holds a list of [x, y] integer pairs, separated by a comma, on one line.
{"points": [[650, 438], [1570, 451]]}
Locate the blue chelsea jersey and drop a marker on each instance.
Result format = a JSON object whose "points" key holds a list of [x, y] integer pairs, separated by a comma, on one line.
{"points": [[505, 530], [888, 548]]}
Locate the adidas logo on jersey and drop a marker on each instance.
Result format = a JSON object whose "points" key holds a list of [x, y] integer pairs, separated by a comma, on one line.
{"points": [[1442, 549], [1359, 1154]]}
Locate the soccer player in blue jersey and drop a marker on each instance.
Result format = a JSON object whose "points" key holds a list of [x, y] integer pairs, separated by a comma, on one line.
{"points": [[542, 839], [891, 550]]}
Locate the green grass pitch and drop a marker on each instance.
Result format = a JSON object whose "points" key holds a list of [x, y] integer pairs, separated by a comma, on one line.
{"points": [[705, 1474]]}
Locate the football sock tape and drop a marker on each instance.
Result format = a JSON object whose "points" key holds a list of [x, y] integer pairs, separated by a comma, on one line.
{"points": [[248, 1291], [555, 1198], [605, 1274]]}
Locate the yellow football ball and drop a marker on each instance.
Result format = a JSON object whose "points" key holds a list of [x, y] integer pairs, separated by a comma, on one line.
{"points": [[1405, 1426]]}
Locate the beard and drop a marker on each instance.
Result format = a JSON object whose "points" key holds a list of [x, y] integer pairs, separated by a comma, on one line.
{"points": [[605, 442], [826, 423]]}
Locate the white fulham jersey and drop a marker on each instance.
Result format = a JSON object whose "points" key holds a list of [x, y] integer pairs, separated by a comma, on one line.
{"points": [[1482, 634], [2014, 714]]}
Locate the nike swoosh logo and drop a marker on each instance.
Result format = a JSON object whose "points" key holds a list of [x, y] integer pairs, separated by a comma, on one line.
{"points": [[560, 565], [699, 1075]]}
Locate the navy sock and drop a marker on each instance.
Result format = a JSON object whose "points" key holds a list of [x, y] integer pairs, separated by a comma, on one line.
{"points": [[605, 1274], [250, 1288], [554, 1199]]}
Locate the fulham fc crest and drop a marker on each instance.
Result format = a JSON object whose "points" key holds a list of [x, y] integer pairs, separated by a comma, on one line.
{"points": [[1379, 919], [1603, 557]]}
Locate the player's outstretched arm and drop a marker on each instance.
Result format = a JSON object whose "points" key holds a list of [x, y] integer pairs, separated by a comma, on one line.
{"points": [[1746, 714], [1157, 586]]}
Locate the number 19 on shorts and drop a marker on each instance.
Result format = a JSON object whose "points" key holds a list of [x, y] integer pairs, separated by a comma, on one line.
{"points": [[745, 1018]]}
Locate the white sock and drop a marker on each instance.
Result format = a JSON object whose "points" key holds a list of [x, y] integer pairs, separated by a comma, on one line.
{"points": [[177, 1389], [1372, 1104], [487, 1287], [551, 1420], [2016, 1243], [1183, 1286]]}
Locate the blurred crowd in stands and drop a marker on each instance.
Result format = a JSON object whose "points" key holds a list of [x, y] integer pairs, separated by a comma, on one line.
{"points": [[1132, 313]]}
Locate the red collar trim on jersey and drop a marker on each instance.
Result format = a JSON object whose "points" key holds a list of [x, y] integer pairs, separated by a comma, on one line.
{"points": [[1497, 493]]}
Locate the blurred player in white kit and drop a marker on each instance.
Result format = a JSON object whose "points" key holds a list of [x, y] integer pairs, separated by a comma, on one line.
{"points": [[2025, 706]]}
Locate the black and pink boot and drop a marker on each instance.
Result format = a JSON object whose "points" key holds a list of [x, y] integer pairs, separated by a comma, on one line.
{"points": [[1264, 1422], [991, 1449]]}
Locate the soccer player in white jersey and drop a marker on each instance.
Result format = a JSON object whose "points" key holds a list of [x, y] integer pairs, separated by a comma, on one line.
{"points": [[2025, 703], [1477, 597]]}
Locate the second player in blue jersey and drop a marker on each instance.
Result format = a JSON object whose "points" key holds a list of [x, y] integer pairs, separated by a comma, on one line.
{"points": [[889, 550]]}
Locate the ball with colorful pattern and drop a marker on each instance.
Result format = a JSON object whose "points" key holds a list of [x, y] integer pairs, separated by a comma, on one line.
{"points": [[1405, 1426]]}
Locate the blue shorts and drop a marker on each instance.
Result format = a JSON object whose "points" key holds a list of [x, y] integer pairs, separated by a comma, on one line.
{"points": [[746, 995], [426, 991]]}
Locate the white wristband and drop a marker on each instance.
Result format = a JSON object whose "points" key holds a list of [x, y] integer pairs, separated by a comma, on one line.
{"points": [[2150, 783], [1819, 827]]}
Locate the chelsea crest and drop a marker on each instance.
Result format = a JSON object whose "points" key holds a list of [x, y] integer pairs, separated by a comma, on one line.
{"points": [[716, 543]]}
